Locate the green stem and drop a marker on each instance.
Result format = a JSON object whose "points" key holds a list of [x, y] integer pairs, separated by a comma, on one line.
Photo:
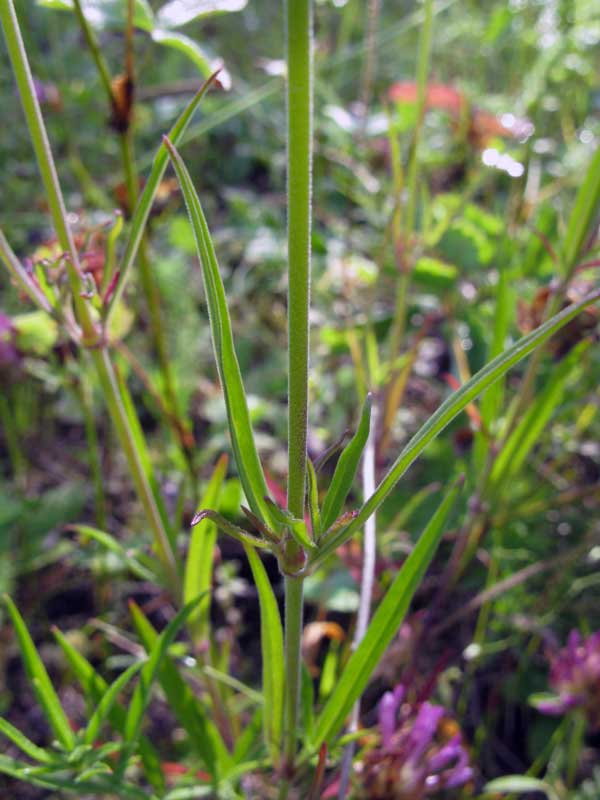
{"points": [[112, 397], [412, 184], [94, 460], [149, 287], [92, 337], [299, 155], [294, 605]]}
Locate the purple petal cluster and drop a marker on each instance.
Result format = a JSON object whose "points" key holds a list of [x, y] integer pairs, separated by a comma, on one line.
{"points": [[575, 677], [421, 751]]}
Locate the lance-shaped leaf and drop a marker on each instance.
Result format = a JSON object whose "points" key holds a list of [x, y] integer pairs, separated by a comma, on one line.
{"points": [[38, 776], [144, 205], [141, 696], [37, 674], [271, 642], [199, 563], [144, 566], [345, 470], [106, 704], [95, 687], [202, 732], [383, 627], [24, 744], [312, 498], [240, 428], [225, 526], [449, 409]]}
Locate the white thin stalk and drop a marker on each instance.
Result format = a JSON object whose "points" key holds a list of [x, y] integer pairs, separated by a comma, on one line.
{"points": [[366, 588]]}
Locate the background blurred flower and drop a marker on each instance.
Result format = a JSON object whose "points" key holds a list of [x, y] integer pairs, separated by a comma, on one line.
{"points": [[421, 751], [575, 677]]}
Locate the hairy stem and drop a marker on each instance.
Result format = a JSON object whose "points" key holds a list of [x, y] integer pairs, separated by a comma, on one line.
{"points": [[299, 155]]}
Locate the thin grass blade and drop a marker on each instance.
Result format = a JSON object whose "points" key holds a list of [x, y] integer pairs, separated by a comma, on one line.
{"points": [[141, 697], [582, 216], [95, 687], [24, 744], [383, 627], [106, 704], [37, 674], [148, 571], [203, 734], [533, 423]]}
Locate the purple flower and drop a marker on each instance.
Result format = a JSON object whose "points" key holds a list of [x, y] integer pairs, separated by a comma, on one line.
{"points": [[575, 677], [9, 355], [421, 751]]}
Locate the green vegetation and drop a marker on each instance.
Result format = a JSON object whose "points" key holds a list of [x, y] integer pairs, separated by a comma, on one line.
{"points": [[322, 601]]}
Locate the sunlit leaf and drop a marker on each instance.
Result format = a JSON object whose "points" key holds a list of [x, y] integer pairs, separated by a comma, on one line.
{"points": [[108, 13], [180, 12]]}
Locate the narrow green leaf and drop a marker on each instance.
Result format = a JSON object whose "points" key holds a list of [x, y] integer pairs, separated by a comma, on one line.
{"points": [[203, 734], [240, 428], [141, 696], [144, 206], [106, 704], [449, 409], [583, 214], [383, 627], [199, 563], [25, 744], [95, 687], [37, 674], [534, 422], [146, 573], [271, 640], [312, 496], [345, 470], [225, 526], [99, 788], [521, 783]]}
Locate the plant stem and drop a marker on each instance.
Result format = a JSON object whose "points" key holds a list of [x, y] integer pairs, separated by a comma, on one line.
{"points": [[82, 389], [299, 155], [149, 287], [91, 337], [412, 185]]}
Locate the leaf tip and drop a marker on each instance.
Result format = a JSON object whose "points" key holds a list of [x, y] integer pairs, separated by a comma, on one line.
{"points": [[199, 516]]}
